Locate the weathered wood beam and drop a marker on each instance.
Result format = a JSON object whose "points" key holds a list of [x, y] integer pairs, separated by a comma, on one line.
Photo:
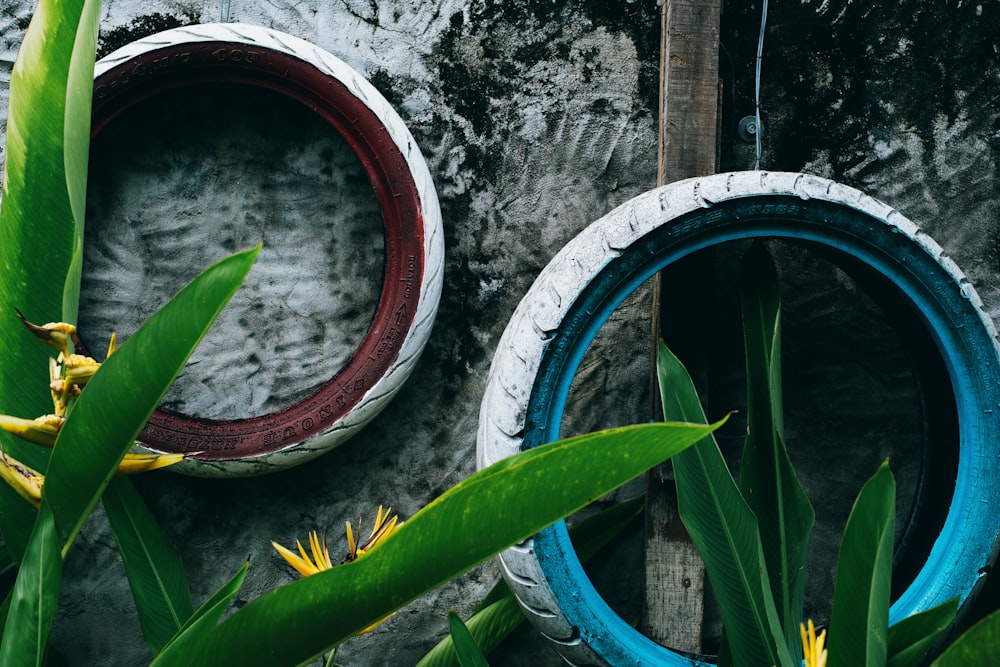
{"points": [[673, 610]]}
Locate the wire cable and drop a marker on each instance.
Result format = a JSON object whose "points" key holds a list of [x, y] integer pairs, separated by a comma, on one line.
{"points": [[760, 52]]}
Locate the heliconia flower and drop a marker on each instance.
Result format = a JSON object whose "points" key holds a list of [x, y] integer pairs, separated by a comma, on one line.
{"points": [[78, 368], [57, 334], [136, 463], [28, 482], [21, 478], [813, 647], [69, 373], [41, 431], [385, 524]]}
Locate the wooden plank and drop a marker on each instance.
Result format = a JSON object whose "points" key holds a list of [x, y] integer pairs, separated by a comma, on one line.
{"points": [[673, 609], [689, 89], [674, 604]]}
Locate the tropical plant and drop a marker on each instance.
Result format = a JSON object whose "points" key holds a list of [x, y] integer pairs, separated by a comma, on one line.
{"points": [[753, 536], [979, 645], [497, 615], [41, 237], [41, 232]]}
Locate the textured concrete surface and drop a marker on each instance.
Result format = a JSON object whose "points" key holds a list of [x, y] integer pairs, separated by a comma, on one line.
{"points": [[535, 117]]}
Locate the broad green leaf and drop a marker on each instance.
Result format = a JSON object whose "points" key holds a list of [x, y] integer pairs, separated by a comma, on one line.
{"points": [[489, 511], [35, 597], [153, 567], [597, 531], [911, 638], [110, 413], [212, 609], [977, 647], [469, 653], [723, 528], [76, 146], [6, 559], [122, 395], [41, 214], [17, 516], [588, 537], [488, 627], [767, 480], [859, 622], [498, 614], [5, 610], [106, 419]]}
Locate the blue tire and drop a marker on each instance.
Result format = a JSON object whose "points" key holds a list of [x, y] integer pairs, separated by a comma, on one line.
{"points": [[574, 295]]}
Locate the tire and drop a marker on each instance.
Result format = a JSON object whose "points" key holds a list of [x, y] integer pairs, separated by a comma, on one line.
{"points": [[414, 250], [574, 295]]}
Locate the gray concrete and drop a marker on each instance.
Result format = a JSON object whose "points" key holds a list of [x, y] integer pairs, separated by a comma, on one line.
{"points": [[535, 118]]}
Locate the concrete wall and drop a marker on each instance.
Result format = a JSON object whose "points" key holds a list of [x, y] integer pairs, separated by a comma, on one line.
{"points": [[535, 118]]}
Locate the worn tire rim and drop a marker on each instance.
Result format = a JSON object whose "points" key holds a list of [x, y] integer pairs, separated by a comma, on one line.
{"points": [[170, 61], [570, 300]]}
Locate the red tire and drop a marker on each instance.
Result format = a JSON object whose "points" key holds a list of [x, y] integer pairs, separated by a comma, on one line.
{"points": [[414, 251]]}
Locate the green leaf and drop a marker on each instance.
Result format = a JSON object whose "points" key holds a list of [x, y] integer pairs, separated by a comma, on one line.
{"points": [[978, 646], [723, 528], [153, 567], [469, 653], [76, 146], [17, 516], [859, 622], [41, 217], [597, 531], [911, 638], [488, 627], [122, 395], [35, 597], [491, 510], [6, 559], [4, 611], [498, 614], [767, 480], [103, 425], [209, 613]]}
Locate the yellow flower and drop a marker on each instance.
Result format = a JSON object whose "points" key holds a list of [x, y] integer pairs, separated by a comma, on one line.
{"points": [[813, 647], [69, 373], [57, 334], [132, 464], [41, 431], [79, 368], [24, 480], [301, 562], [385, 524]]}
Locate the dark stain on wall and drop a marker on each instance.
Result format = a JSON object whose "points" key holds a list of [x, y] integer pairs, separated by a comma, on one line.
{"points": [[486, 62], [473, 87], [143, 26], [838, 74]]}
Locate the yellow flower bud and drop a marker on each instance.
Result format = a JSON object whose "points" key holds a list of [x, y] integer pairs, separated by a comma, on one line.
{"points": [[79, 368], [21, 478], [136, 463], [57, 334], [41, 431]]}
